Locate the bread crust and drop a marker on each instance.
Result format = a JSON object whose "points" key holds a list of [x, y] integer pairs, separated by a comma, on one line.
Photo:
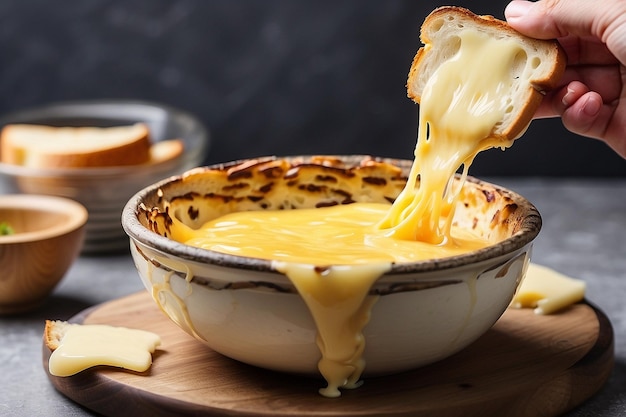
{"points": [[549, 80], [53, 333], [166, 150]]}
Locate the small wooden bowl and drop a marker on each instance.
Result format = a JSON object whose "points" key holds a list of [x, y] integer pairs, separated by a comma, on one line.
{"points": [[48, 234]]}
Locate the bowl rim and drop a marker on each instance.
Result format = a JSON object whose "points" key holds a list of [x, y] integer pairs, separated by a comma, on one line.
{"points": [[84, 108], [530, 228], [76, 215]]}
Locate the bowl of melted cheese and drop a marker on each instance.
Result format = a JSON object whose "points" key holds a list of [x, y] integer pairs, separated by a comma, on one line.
{"points": [[311, 264], [351, 266]]}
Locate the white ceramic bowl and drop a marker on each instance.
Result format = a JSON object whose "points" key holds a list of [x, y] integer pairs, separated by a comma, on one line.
{"points": [[104, 191], [48, 235], [246, 310]]}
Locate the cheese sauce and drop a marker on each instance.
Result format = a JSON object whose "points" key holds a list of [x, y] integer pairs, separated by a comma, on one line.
{"points": [[86, 346], [338, 235], [333, 255]]}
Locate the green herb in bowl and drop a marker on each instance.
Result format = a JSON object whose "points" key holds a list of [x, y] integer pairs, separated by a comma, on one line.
{"points": [[6, 229]]}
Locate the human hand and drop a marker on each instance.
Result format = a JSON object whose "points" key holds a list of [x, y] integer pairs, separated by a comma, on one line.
{"points": [[591, 99]]}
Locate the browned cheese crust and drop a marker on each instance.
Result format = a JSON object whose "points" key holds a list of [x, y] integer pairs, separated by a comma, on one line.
{"points": [[203, 194]]}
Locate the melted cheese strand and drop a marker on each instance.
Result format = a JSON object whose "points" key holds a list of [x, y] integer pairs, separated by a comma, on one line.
{"points": [[459, 108]]}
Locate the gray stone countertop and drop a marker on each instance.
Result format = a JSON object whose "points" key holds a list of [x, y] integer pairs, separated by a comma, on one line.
{"points": [[584, 236]]}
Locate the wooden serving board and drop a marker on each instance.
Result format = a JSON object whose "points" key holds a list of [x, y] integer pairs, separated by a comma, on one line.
{"points": [[526, 365]]}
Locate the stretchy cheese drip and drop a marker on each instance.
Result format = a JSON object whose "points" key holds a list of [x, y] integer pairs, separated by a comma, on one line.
{"points": [[460, 105], [86, 346], [340, 305], [547, 291]]}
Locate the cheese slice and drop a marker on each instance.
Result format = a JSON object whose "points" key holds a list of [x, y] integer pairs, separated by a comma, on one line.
{"points": [[86, 346], [547, 291]]}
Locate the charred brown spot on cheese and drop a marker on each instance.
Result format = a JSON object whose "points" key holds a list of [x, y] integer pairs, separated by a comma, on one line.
{"points": [[271, 171], [243, 170], [193, 212], [187, 196], [326, 178], [508, 211], [375, 180], [504, 215], [347, 197], [236, 186], [496, 218], [489, 195], [322, 204], [312, 188], [267, 187]]}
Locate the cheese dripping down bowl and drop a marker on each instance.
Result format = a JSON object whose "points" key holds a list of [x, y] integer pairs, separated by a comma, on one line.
{"points": [[408, 315]]}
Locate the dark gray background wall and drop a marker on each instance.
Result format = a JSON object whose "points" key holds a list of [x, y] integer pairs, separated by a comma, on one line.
{"points": [[266, 76]]}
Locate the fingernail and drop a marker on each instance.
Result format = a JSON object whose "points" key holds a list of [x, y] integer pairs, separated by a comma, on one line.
{"points": [[567, 98], [592, 106], [517, 9]]}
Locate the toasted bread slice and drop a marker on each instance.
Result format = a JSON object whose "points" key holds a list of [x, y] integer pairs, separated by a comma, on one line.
{"points": [[74, 147], [535, 71]]}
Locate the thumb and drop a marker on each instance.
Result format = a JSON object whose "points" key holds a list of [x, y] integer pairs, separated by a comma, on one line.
{"points": [[547, 19], [534, 19]]}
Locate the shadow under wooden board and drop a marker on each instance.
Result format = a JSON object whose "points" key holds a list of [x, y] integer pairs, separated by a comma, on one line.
{"points": [[526, 365]]}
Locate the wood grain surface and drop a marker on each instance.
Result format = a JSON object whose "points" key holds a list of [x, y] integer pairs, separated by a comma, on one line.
{"points": [[526, 365]]}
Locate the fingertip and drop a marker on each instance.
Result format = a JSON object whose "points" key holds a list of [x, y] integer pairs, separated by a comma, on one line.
{"points": [[592, 103], [520, 15], [533, 18], [516, 10], [573, 92], [580, 116]]}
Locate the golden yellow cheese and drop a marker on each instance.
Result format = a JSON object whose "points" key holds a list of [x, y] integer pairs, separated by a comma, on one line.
{"points": [[338, 235], [86, 346], [344, 237], [547, 291], [340, 305]]}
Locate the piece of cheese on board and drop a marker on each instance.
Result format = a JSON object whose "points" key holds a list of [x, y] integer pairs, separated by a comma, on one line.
{"points": [[547, 291]]}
